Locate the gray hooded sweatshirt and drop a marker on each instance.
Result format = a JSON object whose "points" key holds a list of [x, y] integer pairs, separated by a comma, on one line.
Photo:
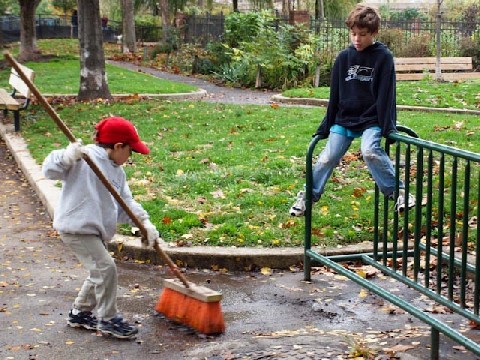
{"points": [[86, 206]]}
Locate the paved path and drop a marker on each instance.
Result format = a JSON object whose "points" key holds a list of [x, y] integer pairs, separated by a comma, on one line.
{"points": [[215, 93]]}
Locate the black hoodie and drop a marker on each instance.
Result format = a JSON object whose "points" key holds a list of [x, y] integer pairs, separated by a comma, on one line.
{"points": [[362, 91]]}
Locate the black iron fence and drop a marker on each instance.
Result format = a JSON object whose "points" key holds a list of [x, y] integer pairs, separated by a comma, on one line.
{"points": [[332, 34]]}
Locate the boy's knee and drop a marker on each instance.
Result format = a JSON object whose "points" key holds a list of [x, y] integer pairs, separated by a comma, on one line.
{"points": [[371, 154], [326, 160]]}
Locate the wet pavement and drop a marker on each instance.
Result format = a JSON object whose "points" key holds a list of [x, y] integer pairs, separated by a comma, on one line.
{"points": [[268, 314]]}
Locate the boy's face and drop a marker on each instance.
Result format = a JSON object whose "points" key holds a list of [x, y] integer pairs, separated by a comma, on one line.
{"points": [[361, 38], [120, 153]]}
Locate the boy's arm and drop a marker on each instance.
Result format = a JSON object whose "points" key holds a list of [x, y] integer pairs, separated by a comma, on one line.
{"points": [[386, 99], [153, 235], [57, 163], [53, 166], [329, 119], [136, 208]]}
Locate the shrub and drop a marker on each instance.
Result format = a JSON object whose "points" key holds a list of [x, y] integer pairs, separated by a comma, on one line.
{"points": [[470, 47], [416, 46], [393, 38], [325, 59], [241, 27]]}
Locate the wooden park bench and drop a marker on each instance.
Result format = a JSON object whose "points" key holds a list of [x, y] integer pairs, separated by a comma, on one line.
{"points": [[19, 97], [453, 68]]}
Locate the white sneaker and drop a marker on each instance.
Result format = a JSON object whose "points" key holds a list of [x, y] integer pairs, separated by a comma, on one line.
{"points": [[298, 208], [400, 205]]}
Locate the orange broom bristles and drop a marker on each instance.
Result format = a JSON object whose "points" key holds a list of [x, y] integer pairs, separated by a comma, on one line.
{"points": [[199, 310]]}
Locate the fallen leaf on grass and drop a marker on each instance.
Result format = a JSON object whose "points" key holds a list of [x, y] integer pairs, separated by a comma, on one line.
{"points": [[218, 194]]}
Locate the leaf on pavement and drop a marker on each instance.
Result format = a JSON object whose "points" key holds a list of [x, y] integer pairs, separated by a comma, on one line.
{"points": [[399, 348], [363, 293], [266, 271]]}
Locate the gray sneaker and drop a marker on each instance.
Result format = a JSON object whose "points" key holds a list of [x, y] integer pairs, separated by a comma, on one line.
{"points": [[298, 208], [401, 204], [118, 328]]}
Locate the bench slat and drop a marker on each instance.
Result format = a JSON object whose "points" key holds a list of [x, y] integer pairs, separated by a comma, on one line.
{"points": [[432, 60], [431, 67], [17, 83], [453, 68], [7, 102]]}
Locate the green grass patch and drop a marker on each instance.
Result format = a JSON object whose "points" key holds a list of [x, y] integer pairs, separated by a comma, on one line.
{"points": [[60, 74], [226, 174], [461, 94]]}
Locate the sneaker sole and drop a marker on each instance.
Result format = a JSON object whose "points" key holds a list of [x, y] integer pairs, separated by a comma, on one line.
{"points": [[297, 215], [402, 208], [77, 325], [118, 336]]}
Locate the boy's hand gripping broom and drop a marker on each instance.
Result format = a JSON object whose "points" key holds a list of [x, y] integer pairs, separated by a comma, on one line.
{"points": [[195, 306]]}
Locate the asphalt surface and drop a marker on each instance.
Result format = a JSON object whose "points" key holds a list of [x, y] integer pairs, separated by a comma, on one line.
{"points": [[269, 314]]}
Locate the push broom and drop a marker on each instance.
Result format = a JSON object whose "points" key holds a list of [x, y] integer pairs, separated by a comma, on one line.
{"points": [[180, 301]]}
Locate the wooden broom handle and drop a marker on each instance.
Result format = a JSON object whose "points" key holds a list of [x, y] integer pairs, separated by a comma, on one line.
{"points": [[93, 165]]}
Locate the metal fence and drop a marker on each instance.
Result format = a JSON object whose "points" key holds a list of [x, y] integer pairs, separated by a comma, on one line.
{"points": [[333, 34], [434, 248]]}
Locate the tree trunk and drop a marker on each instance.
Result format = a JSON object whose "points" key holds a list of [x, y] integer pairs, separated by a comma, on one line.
{"points": [[93, 84], [164, 14], [28, 45], [438, 35], [128, 25]]}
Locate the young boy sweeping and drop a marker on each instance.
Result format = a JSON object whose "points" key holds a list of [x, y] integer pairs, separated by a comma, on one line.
{"points": [[87, 217], [362, 105]]}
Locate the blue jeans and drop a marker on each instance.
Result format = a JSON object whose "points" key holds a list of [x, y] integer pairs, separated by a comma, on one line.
{"points": [[375, 157]]}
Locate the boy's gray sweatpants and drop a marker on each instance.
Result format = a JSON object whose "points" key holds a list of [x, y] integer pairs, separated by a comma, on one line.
{"points": [[100, 288]]}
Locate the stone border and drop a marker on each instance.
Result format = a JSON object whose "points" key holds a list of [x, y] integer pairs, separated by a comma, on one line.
{"points": [[195, 95], [324, 102]]}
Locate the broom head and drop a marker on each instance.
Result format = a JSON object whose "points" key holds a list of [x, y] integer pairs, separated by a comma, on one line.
{"points": [[196, 306]]}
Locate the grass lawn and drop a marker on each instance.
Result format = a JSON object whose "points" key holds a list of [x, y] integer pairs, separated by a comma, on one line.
{"points": [[227, 174], [59, 73]]}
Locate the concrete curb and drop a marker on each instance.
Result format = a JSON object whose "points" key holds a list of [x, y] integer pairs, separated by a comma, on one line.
{"points": [[324, 102], [195, 95]]}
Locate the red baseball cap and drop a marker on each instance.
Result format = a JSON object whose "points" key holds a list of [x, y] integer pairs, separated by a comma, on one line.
{"points": [[113, 130]]}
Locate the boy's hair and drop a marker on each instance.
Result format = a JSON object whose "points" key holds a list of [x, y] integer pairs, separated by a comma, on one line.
{"points": [[365, 17]]}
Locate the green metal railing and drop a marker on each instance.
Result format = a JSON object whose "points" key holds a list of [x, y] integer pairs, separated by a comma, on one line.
{"points": [[434, 247]]}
